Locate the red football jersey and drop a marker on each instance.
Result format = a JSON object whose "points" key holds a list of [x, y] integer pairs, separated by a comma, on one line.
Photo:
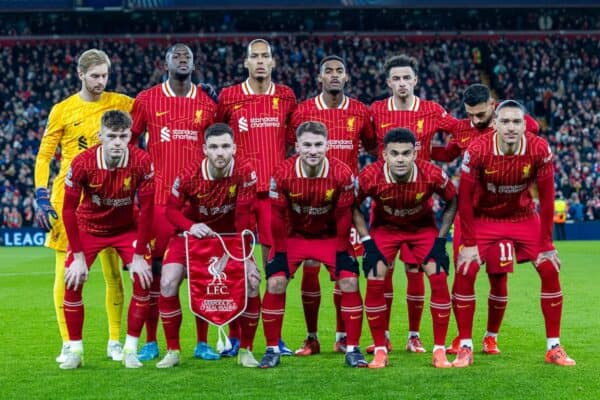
{"points": [[202, 198], [424, 119], [259, 122], [404, 205], [504, 181], [464, 132], [348, 126], [107, 207], [175, 127], [311, 201]]}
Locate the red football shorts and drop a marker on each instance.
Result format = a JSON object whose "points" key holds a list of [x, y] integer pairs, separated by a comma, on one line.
{"points": [[413, 246], [525, 235], [162, 230], [175, 252], [263, 219], [123, 243], [322, 250]]}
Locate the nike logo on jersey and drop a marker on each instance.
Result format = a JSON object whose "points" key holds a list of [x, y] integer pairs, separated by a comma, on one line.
{"points": [[386, 198], [373, 318], [237, 106], [95, 185], [505, 263], [161, 113], [202, 195], [295, 194], [444, 315], [77, 123], [490, 171], [555, 304], [354, 317], [385, 125], [464, 139]]}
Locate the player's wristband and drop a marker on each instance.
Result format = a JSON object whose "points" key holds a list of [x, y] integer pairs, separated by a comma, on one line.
{"points": [[365, 238]]}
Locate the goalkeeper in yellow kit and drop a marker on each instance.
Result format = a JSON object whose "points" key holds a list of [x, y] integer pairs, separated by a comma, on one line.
{"points": [[73, 124]]}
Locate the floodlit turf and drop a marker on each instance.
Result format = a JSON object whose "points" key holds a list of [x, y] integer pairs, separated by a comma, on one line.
{"points": [[29, 342]]}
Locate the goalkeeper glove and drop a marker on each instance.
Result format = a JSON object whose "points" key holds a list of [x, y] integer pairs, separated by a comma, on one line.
{"points": [[439, 255], [44, 209]]}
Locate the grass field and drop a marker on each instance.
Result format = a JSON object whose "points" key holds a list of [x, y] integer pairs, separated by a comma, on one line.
{"points": [[29, 343]]}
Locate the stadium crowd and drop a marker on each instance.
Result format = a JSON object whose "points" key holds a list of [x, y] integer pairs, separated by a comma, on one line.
{"points": [[559, 82], [373, 20]]}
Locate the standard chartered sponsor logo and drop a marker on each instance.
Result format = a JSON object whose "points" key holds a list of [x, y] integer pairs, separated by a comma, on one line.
{"points": [[402, 212], [243, 124], [264, 122], [177, 134], [298, 209], [341, 144], [506, 188], [165, 134], [111, 202]]}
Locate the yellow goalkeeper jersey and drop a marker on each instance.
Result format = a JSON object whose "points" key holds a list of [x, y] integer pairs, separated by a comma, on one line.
{"points": [[73, 124]]}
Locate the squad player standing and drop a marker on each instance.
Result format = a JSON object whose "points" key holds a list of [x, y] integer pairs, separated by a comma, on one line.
{"points": [[73, 125], [111, 176], [499, 222], [175, 114], [349, 126], [403, 109], [403, 220], [312, 196], [216, 194], [258, 111], [479, 106]]}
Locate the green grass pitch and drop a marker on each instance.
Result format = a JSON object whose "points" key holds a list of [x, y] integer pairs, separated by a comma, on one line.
{"points": [[29, 342]]}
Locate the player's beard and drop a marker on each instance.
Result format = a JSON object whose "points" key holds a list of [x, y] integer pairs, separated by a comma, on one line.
{"points": [[94, 90], [484, 125], [182, 77]]}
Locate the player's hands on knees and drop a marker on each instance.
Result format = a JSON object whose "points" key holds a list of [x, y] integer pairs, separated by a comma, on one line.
{"points": [[201, 230], [552, 256], [466, 256], [77, 273], [252, 274], [345, 262], [44, 209], [140, 266], [371, 257], [439, 255]]}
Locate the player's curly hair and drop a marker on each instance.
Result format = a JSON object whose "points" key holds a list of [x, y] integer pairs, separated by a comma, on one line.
{"points": [[401, 61], [476, 93], [91, 58], [116, 120], [399, 135]]}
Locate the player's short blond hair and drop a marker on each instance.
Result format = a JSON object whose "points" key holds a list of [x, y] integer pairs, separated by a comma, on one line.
{"points": [[91, 58]]}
